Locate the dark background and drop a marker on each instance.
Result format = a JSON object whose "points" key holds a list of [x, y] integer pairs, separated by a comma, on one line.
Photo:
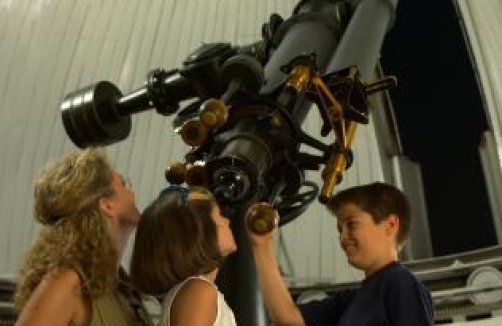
{"points": [[440, 116]]}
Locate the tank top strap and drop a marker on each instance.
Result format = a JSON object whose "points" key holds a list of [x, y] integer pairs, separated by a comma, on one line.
{"points": [[225, 316], [82, 278], [201, 277], [170, 296], [133, 297]]}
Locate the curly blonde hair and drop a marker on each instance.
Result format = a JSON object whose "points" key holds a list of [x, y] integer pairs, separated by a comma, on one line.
{"points": [[75, 234]]}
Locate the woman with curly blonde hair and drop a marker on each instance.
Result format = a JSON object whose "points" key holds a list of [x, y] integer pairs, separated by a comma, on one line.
{"points": [[71, 274]]}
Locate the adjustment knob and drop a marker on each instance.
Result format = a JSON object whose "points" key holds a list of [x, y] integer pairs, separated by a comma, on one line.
{"points": [[261, 219], [196, 175], [175, 173], [214, 113], [193, 133]]}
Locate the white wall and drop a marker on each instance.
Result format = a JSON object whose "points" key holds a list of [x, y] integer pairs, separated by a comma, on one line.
{"points": [[51, 47], [482, 25]]}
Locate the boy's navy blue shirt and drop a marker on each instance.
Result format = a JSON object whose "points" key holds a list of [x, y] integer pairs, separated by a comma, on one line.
{"points": [[391, 296]]}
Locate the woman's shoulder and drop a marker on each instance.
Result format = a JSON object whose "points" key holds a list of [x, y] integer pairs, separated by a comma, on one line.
{"points": [[64, 279], [57, 297]]}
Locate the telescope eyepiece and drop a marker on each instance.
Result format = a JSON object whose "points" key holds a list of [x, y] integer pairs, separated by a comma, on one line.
{"points": [[91, 116]]}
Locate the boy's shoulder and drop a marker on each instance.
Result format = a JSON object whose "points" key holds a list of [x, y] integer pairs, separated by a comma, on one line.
{"points": [[399, 277], [395, 273]]}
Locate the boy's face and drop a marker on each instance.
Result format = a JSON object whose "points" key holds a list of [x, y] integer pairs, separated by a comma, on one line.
{"points": [[368, 246]]}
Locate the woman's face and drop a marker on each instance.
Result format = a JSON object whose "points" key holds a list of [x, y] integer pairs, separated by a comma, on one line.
{"points": [[121, 205]]}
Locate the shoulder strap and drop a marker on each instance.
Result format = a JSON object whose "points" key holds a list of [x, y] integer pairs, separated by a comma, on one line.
{"points": [[134, 298], [83, 279], [201, 277], [170, 296]]}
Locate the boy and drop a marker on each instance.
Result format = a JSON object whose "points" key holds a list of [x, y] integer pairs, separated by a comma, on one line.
{"points": [[374, 223]]}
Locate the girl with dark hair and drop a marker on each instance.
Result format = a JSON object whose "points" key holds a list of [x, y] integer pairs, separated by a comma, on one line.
{"points": [[181, 241]]}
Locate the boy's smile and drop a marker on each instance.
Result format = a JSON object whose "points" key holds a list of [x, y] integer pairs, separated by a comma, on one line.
{"points": [[369, 246]]}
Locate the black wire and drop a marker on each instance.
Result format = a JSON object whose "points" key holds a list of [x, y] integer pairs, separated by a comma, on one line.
{"points": [[291, 207]]}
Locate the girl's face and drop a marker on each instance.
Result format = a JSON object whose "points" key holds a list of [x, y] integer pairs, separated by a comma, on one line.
{"points": [[226, 239]]}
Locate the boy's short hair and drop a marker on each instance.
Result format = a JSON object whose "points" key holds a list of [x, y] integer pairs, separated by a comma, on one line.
{"points": [[379, 200]]}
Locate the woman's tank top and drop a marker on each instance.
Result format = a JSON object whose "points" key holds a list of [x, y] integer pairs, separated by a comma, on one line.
{"points": [[121, 307]]}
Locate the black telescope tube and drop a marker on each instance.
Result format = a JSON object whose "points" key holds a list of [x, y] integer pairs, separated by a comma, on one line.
{"points": [[313, 29], [134, 102]]}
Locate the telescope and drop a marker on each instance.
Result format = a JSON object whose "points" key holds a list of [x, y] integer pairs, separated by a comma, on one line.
{"points": [[243, 120]]}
